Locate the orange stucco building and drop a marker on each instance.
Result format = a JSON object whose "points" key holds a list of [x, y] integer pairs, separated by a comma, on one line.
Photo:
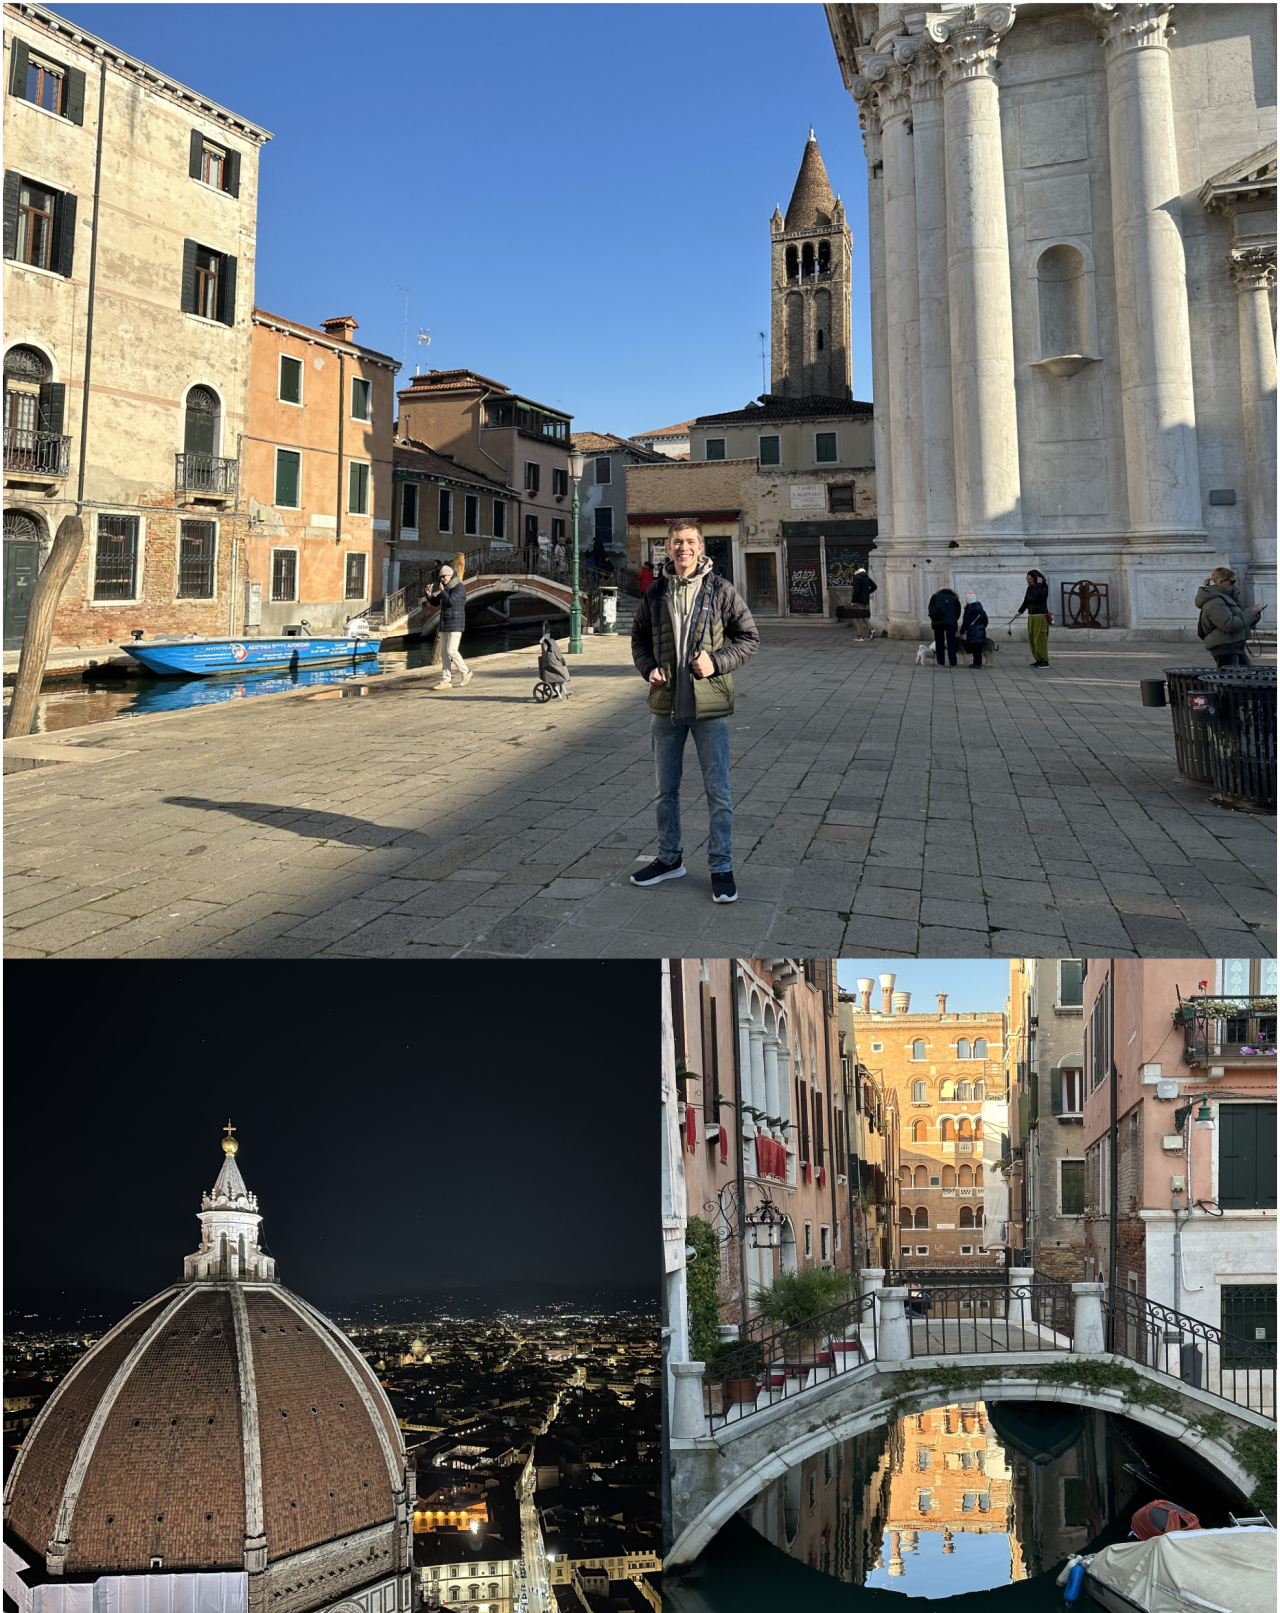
{"points": [[317, 475]]}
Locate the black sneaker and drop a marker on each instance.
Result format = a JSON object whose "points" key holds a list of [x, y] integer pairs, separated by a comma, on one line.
{"points": [[723, 888], [657, 871]]}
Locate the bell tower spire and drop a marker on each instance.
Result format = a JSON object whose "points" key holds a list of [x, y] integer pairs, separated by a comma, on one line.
{"points": [[229, 1223], [811, 260]]}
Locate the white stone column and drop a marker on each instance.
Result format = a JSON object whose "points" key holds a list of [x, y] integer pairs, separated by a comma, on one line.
{"points": [[1253, 269], [688, 1420], [757, 1067], [1151, 290], [869, 119], [928, 140], [893, 1331], [984, 409], [771, 1077], [1090, 1336]]}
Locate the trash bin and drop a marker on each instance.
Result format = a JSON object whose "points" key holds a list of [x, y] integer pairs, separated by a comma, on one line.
{"points": [[1242, 737], [608, 608], [1190, 731]]}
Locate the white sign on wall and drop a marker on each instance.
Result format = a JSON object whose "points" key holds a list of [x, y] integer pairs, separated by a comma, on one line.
{"points": [[808, 496]]}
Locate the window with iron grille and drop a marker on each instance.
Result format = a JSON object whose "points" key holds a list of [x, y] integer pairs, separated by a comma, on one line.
{"points": [[355, 576], [284, 574], [115, 566], [196, 548], [840, 498], [1248, 1315], [1247, 1156]]}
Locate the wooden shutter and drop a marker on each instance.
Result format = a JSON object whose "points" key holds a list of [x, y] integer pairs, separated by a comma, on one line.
{"points": [[677, 1007], [189, 277], [705, 1012], [196, 166], [64, 233], [1055, 1088], [73, 109], [1247, 1156], [12, 185], [53, 402], [18, 58], [227, 291], [231, 175]]}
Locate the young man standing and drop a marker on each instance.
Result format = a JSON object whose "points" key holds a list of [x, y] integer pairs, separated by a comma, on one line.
{"points": [[690, 634]]}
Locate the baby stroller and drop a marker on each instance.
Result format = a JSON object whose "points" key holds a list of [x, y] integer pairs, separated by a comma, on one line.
{"points": [[553, 672]]}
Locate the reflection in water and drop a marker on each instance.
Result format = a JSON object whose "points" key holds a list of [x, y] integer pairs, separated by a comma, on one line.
{"points": [[960, 1500]]}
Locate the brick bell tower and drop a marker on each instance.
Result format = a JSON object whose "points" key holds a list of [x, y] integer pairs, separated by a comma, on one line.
{"points": [[812, 252]]}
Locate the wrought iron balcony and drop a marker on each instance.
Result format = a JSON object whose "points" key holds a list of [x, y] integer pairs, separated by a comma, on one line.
{"points": [[1218, 1028], [38, 453], [206, 474]]}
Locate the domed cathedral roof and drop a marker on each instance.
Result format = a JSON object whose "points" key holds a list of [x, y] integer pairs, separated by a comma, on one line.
{"points": [[813, 202], [224, 1425]]}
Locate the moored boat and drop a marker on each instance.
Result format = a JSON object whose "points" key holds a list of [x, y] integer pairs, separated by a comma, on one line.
{"points": [[1192, 1571], [209, 657]]}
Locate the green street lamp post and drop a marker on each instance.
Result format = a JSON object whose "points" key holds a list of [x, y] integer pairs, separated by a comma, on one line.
{"points": [[576, 463]]}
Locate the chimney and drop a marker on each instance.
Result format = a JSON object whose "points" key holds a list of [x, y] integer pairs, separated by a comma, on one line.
{"points": [[342, 329], [942, 1002], [887, 983], [865, 988], [902, 1002]]}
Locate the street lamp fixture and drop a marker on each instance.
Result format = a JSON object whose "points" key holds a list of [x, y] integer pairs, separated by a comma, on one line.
{"points": [[766, 1222], [1204, 1116], [577, 464]]}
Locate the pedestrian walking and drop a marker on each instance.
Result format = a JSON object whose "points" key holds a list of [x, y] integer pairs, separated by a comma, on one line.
{"points": [[860, 592], [973, 628], [1035, 602], [944, 614], [691, 632], [1225, 620], [451, 596]]}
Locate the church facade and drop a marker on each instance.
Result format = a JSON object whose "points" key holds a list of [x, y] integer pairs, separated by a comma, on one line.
{"points": [[1073, 254]]}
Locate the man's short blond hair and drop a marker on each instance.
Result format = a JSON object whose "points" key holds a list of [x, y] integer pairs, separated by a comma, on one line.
{"points": [[685, 523]]}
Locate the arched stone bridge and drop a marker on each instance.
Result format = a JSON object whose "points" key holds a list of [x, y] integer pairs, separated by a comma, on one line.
{"points": [[423, 618]]}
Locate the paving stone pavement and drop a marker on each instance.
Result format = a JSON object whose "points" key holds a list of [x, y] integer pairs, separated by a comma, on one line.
{"points": [[881, 808]]}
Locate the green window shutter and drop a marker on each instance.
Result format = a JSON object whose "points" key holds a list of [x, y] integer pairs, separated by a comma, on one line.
{"points": [[231, 173], [1072, 1186], [1055, 1090], [1033, 1089], [1247, 1156], [12, 185], [64, 233], [227, 292], [196, 164], [53, 407], [73, 110], [189, 249], [288, 477], [18, 58]]}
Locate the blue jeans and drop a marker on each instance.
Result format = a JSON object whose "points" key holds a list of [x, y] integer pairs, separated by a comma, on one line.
{"points": [[711, 738]]}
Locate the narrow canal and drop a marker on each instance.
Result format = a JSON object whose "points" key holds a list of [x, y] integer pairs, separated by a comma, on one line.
{"points": [[950, 1505], [106, 697]]}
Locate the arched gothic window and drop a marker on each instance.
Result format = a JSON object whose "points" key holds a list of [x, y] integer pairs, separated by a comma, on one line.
{"points": [[948, 1176], [200, 433], [966, 1176], [980, 1048], [962, 1127], [922, 1217], [918, 1093], [806, 260], [824, 257], [918, 1131], [917, 1050], [977, 1175], [979, 1091], [944, 1130], [946, 1092], [977, 1130], [963, 1050], [922, 1176], [966, 1216], [793, 264], [964, 1092]]}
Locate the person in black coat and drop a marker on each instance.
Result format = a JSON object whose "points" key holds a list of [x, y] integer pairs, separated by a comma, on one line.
{"points": [[451, 596], [973, 627], [860, 592], [1035, 602], [944, 614]]}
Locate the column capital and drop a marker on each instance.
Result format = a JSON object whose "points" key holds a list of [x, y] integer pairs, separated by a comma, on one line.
{"points": [[888, 77], [967, 41], [1123, 28], [1252, 268]]}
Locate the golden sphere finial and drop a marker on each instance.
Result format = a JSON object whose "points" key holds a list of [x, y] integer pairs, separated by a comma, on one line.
{"points": [[229, 1144]]}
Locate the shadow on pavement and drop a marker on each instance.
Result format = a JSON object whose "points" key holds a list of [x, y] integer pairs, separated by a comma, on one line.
{"points": [[309, 825]]}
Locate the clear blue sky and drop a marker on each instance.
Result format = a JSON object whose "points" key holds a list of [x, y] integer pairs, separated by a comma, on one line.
{"points": [[577, 196], [972, 985]]}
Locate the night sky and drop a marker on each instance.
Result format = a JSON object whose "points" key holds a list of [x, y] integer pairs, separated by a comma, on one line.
{"points": [[406, 1129]]}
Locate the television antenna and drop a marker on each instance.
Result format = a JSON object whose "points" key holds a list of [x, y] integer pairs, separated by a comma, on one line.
{"points": [[404, 351], [764, 376], [424, 342]]}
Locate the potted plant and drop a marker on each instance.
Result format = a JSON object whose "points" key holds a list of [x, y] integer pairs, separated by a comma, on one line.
{"points": [[799, 1301], [744, 1361]]}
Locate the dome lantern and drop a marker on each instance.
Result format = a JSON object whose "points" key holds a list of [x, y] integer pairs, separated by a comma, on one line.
{"points": [[229, 1223]]}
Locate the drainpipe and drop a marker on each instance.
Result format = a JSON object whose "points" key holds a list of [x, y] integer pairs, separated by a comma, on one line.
{"points": [[235, 538], [742, 1175], [93, 279], [1114, 1163], [342, 393]]}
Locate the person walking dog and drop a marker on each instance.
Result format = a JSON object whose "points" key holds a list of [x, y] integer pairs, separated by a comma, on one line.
{"points": [[944, 614], [1225, 623], [451, 596], [1035, 602], [973, 628], [691, 632]]}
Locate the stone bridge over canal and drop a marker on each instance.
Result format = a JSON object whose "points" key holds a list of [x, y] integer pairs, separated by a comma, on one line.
{"points": [[719, 1463]]}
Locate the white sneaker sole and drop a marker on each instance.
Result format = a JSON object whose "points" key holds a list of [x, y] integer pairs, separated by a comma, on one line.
{"points": [[676, 873], [732, 898]]}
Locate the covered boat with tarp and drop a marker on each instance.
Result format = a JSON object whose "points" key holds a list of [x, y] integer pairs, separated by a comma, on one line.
{"points": [[1194, 1571]]}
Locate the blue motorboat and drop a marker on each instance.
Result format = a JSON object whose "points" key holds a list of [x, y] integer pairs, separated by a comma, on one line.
{"points": [[212, 657]]}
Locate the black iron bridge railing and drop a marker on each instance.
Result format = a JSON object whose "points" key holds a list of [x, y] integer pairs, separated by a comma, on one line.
{"points": [[1240, 1370]]}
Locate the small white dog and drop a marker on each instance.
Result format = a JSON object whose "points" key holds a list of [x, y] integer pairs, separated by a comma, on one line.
{"points": [[924, 655]]}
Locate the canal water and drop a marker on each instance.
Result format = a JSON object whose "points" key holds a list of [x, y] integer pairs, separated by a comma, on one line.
{"points": [[107, 697], [953, 1504]]}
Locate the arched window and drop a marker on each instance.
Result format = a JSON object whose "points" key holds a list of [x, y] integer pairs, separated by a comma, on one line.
{"points": [[948, 1176], [905, 1216], [963, 1050], [977, 1175], [806, 260], [917, 1050], [1064, 303], [966, 1176], [977, 1130], [793, 264], [824, 257], [922, 1176], [918, 1094], [980, 1048], [200, 432], [977, 1216], [922, 1218], [962, 1128], [944, 1130], [964, 1092], [947, 1092], [906, 1176], [31, 405], [966, 1216], [979, 1091], [918, 1131], [819, 341]]}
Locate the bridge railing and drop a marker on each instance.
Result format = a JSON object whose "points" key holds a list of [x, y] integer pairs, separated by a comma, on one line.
{"points": [[1238, 1370], [975, 1318], [778, 1361]]}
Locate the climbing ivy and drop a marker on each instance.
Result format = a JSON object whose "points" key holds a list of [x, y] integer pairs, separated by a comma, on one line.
{"points": [[1255, 1450], [702, 1275]]}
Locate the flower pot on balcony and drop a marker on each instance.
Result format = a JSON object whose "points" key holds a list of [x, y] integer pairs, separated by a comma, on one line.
{"points": [[740, 1391]]}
